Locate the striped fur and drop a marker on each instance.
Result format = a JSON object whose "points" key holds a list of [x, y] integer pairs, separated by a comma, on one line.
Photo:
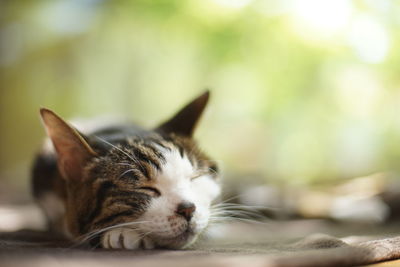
{"points": [[124, 175]]}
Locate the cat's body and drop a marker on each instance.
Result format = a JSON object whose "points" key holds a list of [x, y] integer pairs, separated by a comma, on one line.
{"points": [[128, 187]]}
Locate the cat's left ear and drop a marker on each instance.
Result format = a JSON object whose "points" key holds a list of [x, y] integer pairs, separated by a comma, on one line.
{"points": [[73, 152], [185, 121]]}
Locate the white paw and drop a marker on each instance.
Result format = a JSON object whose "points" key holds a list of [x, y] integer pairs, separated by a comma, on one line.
{"points": [[122, 238]]}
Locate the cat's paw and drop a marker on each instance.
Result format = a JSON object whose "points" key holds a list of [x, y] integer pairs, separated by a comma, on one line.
{"points": [[125, 239]]}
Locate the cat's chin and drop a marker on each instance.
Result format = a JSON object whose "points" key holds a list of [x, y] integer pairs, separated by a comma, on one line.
{"points": [[180, 241]]}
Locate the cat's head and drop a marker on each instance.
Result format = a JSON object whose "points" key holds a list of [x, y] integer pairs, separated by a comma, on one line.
{"points": [[158, 184]]}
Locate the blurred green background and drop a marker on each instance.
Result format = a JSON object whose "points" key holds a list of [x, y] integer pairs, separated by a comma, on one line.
{"points": [[303, 91]]}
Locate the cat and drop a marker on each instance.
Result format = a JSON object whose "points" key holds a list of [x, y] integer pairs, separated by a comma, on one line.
{"points": [[124, 186]]}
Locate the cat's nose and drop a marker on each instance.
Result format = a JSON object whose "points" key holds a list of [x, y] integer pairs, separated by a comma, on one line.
{"points": [[186, 209]]}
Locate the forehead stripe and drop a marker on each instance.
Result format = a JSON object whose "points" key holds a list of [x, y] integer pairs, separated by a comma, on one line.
{"points": [[156, 152], [149, 157]]}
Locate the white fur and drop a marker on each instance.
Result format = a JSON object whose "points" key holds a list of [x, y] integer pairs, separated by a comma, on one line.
{"points": [[163, 227]]}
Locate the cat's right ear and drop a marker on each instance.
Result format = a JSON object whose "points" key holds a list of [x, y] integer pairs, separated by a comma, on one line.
{"points": [[73, 152]]}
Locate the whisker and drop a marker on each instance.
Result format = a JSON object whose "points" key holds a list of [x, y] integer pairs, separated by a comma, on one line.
{"points": [[125, 164], [117, 148], [231, 198], [122, 151], [222, 212], [225, 219], [125, 172], [242, 206], [239, 215]]}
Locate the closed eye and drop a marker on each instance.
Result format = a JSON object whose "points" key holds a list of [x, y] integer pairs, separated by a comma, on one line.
{"points": [[198, 175], [154, 191]]}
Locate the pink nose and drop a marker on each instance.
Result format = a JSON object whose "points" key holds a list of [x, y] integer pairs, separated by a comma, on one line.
{"points": [[186, 209]]}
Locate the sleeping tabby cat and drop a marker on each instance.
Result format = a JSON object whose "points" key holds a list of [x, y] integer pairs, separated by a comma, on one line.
{"points": [[124, 186]]}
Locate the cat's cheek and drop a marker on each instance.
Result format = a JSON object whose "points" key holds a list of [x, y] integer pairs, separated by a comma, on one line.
{"points": [[200, 220], [206, 189]]}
